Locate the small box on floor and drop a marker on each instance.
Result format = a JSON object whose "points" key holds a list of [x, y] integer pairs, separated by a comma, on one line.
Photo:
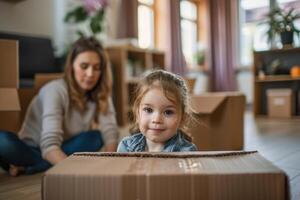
{"points": [[168, 176], [279, 103]]}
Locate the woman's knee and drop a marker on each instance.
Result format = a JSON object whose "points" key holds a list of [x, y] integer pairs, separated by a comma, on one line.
{"points": [[94, 137], [7, 141], [85, 141], [91, 139]]}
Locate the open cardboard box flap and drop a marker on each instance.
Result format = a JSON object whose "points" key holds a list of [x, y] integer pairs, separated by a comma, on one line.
{"points": [[206, 104], [9, 100]]}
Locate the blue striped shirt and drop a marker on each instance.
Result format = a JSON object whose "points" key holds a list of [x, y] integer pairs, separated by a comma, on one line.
{"points": [[137, 143]]}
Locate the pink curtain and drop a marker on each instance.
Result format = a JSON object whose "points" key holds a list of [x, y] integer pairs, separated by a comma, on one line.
{"points": [[175, 55], [169, 35], [128, 22], [223, 41]]}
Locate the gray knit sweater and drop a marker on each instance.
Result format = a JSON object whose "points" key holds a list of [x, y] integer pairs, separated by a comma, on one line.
{"points": [[49, 119]]}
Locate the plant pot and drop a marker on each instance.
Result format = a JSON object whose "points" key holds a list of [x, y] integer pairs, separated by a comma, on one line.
{"points": [[287, 37]]}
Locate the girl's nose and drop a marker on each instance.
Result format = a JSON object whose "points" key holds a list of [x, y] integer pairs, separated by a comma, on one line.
{"points": [[157, 118]]}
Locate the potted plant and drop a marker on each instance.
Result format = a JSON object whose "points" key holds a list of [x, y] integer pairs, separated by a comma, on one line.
{"points": [[91, 12], [281, 23]]}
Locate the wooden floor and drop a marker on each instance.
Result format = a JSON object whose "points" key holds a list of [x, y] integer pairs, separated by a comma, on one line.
{"points": [[277, 140]]}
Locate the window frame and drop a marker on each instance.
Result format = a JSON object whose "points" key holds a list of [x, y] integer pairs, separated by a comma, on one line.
{"points": [[194, 21], [152, 7]]}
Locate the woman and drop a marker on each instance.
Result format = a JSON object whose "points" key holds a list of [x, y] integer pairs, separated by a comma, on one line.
{"points": [[72, 114]]}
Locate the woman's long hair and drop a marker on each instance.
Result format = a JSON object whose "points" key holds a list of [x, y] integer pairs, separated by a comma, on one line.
{"points": [[101, 92]]}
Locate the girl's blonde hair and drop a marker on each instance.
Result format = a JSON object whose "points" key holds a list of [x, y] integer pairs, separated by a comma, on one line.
{"points": [[175, 90], [102, 90]]}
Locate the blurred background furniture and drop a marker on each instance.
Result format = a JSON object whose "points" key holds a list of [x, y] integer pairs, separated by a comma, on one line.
{"points": [[129, 63], [272, 71]]}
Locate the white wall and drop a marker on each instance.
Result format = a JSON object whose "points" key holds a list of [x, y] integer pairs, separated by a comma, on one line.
{"points": [[245, 84], [45, 18], [34, 17], [30, 16]]}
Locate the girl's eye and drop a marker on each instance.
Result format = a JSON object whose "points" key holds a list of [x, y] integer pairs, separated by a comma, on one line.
{"points": [[147, 110], [169, 112], [84, 65]]}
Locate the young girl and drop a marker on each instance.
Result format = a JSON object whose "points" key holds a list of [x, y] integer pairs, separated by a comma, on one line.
{"points": [[160, 110]]}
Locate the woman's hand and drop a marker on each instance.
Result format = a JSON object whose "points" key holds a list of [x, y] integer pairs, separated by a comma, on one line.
{"points": [[55, 156], [111, 147]]}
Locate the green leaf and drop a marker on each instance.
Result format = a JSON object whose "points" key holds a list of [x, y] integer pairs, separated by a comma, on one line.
{"points": [[97, 22], [80, 33], [76, 15]]}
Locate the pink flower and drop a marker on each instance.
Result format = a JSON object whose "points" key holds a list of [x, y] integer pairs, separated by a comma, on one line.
{"points": [[95, 5]]}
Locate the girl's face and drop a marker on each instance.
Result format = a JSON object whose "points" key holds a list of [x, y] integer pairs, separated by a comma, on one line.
{"points": [[87, 70], [158, 117]]}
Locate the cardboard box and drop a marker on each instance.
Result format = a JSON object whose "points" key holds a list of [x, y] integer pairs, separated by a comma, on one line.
{"points": [[9, 66], [25, 96], [168, 176], [220, 121], [13, 101], [9, 76], [9, 110], [279, 102], [41, 79]]}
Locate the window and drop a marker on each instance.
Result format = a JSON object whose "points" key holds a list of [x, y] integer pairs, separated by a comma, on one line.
{"points": [[189, 30], [252, 35], [146, 23]]}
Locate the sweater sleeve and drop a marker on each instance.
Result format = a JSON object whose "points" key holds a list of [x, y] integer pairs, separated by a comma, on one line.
{"points": [[51, 98], [108, 124]]}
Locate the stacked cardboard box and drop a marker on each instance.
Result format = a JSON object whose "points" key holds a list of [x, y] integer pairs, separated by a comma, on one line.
{"points": [[173, 176], [13, 100], [9, 72], [220, 121]]}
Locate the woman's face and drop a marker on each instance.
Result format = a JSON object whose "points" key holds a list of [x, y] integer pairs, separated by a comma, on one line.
{"points": [[87, 70]]}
